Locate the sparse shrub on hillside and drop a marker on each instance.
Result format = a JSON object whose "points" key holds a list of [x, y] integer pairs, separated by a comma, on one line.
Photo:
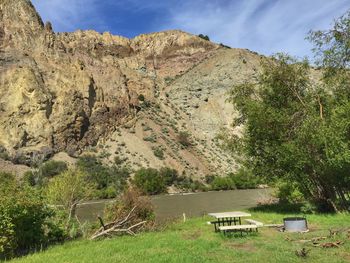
{"points": [[158, 152], [141, 97], [165, 130], [224, 46], [152, 138], [146, 128], [205, 37], [4, 154], [184, 138], [44, 173]]}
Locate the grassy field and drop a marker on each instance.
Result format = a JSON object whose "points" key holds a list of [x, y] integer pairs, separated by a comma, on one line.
{"points": [[195, 241]]}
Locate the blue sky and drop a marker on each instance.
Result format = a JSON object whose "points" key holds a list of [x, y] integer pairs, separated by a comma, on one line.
{"points": [[265, 26]]}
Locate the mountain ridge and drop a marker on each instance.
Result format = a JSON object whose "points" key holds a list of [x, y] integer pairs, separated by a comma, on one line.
{"points": [[86, 91]]}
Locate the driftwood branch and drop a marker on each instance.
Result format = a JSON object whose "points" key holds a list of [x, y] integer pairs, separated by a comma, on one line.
{"points": [[118, 227]]}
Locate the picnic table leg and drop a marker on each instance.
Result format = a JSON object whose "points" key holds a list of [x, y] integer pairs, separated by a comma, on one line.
{"points": [[240, 222]]}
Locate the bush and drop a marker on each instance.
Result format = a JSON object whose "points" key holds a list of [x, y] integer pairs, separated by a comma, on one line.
{"points": [[288, 192], [205, 37], [169, 175], [141, 97], [4, 154], [104, 177], [45, 172], [149, 181], [244, 179], [188, 184], [131, 197], [223, 183], [24, 218], [158, 152], [184, 139]]}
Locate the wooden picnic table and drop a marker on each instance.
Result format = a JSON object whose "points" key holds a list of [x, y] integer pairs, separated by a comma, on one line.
{"points": [[228, 218]]}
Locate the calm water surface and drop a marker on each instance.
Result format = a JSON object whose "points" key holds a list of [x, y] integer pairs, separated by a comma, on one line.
{"points": [[197, 204]]}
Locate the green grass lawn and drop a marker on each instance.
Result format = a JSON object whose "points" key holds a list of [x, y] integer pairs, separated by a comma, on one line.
{"points": [[195, 241]]}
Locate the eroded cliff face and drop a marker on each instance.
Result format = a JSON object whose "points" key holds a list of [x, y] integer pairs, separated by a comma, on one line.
{"points": [[64, 91], [68, 92]]}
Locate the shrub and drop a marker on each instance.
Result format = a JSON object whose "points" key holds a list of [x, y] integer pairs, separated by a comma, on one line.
{"points": [[158, 152], [3, 153], [149, 181], [141, 97], [169, 175], [288, 192], [244, 179], [131, 197], [188, 184], [223, 183], [205, 37], [151, 138], [45, 172], [24, 218], [104, 177], [184, 138]]}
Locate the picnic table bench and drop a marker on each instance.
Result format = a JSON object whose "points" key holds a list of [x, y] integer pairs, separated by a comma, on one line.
{"points": [[236, 228], [254, 222], [227, 218]]}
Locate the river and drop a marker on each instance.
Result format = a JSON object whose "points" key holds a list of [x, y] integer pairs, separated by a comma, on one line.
{"points": [[193, 204]]}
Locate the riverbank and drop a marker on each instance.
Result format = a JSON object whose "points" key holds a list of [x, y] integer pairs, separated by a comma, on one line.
{"points": [[195, 241]]}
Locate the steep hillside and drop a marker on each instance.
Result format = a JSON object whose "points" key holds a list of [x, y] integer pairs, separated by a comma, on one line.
{"points": [[132, 98]]}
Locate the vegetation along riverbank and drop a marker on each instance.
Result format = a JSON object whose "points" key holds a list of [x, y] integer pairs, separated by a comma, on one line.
{"points": [[195, 241]]}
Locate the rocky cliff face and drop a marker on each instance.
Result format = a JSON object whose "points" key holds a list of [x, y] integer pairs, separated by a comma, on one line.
{"points": [[68, 92]]}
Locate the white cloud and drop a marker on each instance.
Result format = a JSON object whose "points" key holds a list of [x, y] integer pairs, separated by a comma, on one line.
{"points": [[68, 15], [265, 26]]}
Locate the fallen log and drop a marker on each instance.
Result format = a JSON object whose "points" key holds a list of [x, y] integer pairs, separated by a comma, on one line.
{"points": [[329, 244], [119, 226]]}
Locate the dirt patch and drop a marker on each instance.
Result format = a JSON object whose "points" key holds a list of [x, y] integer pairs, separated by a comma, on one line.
{"points": [[9, 167], [192, 236], [346, 256], [245, 246]]}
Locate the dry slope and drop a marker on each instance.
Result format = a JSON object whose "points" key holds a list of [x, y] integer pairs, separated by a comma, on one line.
{"points": [[86, 91]]}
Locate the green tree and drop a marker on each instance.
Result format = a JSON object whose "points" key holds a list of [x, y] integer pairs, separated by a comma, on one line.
{"points": [[296, 130], [169, 175], [223, 183], [67, 190], [149, 181], [109, 180]]}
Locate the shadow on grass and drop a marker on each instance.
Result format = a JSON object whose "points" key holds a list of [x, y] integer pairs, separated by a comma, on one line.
{"points": [[278, 208], [239, 234]]}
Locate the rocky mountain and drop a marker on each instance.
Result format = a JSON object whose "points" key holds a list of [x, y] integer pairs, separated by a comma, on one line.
{"points": [[128, 98]]}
